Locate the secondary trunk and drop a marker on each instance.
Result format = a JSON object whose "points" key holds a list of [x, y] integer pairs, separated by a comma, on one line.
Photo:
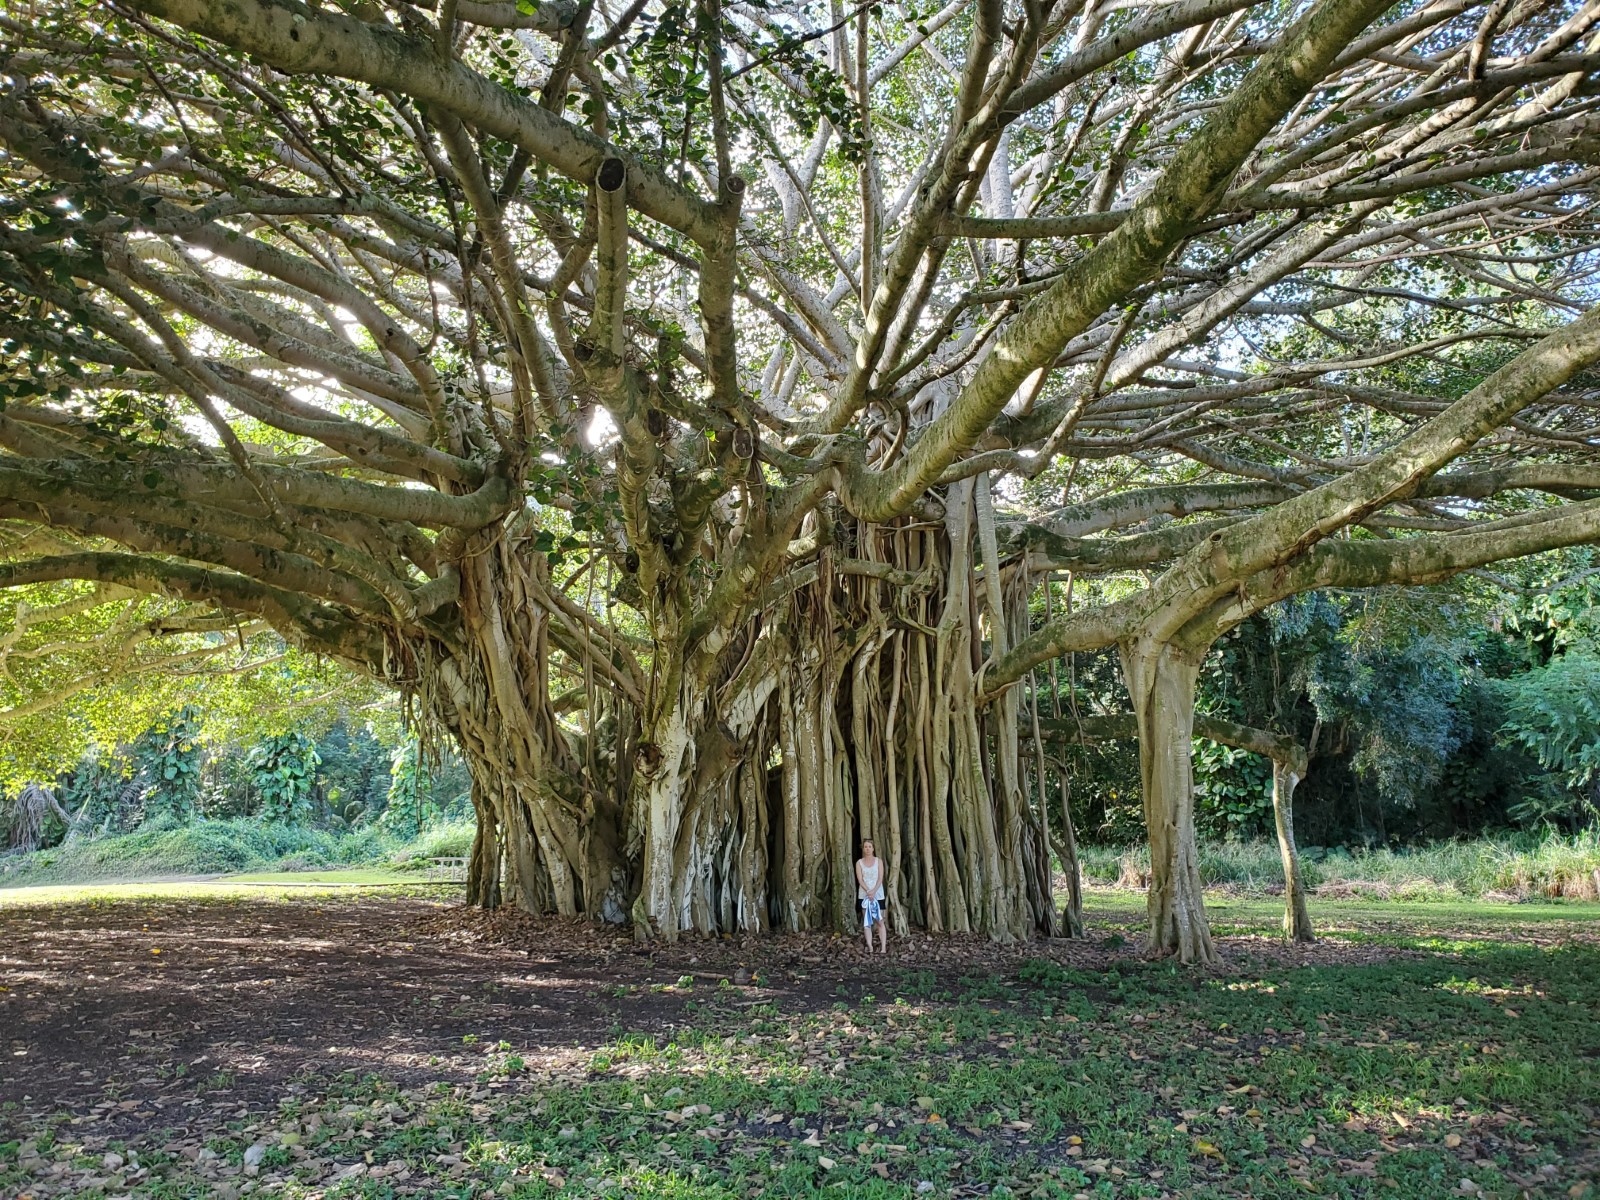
{"points": [[1072, 910], [1296, 920], [666, 763], [1161, 680], [547, 798]]}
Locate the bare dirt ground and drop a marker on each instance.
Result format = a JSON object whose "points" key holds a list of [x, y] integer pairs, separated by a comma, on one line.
{"points": [[106, 999]]}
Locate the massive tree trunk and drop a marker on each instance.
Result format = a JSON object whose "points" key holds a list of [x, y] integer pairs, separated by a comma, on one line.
{"points": [[1296, 919], [735, 797], [1161, 680], [667, 762]]}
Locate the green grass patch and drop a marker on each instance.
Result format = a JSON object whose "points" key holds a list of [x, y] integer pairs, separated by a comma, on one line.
{"points": [[347, 877], [1264, 914], [230, 847], [286, 887]]}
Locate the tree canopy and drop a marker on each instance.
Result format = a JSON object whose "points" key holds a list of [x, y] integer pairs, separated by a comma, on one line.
{"points": [[716, 414]]}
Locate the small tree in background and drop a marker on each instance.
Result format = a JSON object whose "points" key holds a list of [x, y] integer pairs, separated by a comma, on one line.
{"points": [[27, 824], [410, 807], [423, 792], [354, 775]]}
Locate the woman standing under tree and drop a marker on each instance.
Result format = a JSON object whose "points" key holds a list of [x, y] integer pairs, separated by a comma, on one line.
{"points": [[869, 887]]}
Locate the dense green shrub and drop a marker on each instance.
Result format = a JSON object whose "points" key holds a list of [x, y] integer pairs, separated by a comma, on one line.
{"points": [[453, 839], [171, 758], [424, 794], [354, 774], [1232, 792], [228, 847], [409, 802]]}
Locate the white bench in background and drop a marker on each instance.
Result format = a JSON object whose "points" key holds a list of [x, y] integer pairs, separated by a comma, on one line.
{"points": [[447, 870]]}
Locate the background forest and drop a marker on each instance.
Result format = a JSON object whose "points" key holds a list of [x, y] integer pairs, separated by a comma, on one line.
{"points": [[1428, 714], [172, 802]]}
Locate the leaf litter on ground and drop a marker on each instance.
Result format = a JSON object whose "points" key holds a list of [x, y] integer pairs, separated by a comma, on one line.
{"points": [[397, 1047]]}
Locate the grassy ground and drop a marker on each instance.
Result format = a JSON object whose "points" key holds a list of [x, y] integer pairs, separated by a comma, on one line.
{"points": [[349, 877], [1349, 920], [227, 847], [276, 885], [1417, 1051]]}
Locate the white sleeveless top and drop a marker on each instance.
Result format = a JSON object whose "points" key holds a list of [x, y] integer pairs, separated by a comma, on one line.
{"points": [[870, 876]]}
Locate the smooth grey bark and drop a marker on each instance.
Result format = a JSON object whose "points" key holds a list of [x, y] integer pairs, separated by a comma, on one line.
{"points": [[1072, 910], [1161, 680], [1296, 917], [1289, 765]]}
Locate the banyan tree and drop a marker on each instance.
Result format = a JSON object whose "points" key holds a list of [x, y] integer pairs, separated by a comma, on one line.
{"points": [[719, 416]]}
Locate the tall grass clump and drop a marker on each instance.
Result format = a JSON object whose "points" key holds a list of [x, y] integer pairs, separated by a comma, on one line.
{"points": [[1554, 867], [1512, 867]]}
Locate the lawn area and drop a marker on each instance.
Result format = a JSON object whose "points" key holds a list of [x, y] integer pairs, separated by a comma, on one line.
{"points": [[1359, 919], [372, 876], [364, 1043], [239, 848], [222, 887]]}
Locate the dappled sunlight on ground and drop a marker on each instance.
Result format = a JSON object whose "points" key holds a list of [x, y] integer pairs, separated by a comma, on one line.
{"points": [[380, 1045]]}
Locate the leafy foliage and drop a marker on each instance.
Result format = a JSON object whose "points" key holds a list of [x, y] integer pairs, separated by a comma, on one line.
{"points": [[167, 779], [420, 797], [1232, 791], [223, 847], [1398, 700], [81, 674], [1554, 713], [354, 772], [284, 774], [1429, 714], [173, 758]]}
